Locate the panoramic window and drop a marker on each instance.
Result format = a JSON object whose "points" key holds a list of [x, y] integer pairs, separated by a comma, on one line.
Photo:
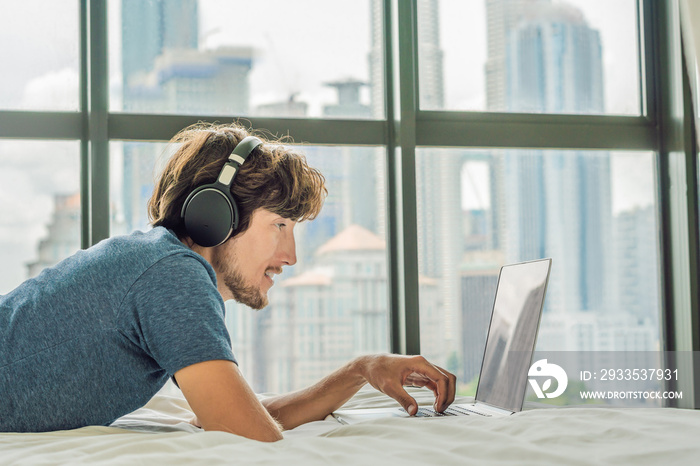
{"points": [[537, 56], [329, 307], [132, 171], [332, 305], [593, 213], [39, 207], [217, 57]]}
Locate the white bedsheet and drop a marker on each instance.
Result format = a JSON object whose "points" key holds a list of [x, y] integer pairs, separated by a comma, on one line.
{"points": [[160, 433]]}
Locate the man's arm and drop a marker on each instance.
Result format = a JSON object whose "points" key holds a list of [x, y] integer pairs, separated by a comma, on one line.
{"points": [[222, 400], [387, 373]]}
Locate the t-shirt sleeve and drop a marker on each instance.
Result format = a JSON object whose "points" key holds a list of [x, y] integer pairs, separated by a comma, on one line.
{"points": [[175, 314]]}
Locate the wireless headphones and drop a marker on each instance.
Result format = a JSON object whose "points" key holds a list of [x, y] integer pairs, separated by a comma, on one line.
{"points": [[210, 214]]}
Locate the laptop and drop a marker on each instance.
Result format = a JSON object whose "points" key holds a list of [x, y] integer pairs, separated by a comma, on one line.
{"points": [[510, 343]]}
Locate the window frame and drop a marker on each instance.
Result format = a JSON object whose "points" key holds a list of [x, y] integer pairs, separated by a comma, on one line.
{"points": [[666, 127]]}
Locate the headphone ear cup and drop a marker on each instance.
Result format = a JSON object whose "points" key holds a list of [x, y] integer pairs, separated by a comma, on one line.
{"points": [[210, 216], [209, 213]]}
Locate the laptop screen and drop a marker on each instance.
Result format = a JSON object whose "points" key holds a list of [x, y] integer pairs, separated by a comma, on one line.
{"points": [[512, 334]]}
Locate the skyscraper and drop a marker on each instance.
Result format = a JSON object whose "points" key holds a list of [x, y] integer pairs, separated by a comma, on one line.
{"points": [[333, 304], [558, 203], [352, 174], [163, 71], [438, 189], [63, 237], [333, 310], [149, 29], [545, 58], [636, 273], [554, 63], [502, 16]]}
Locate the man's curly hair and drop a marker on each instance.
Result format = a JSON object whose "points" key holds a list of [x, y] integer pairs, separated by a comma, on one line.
{"points": [[273, 177]]}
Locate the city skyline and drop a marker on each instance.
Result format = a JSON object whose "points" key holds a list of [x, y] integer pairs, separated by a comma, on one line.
{"points": [[53, 83], [440, 190], [194, 44]]}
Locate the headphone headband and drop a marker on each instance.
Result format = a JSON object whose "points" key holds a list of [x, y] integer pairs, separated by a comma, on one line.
{"points": [[236, 159], [244, 148]]}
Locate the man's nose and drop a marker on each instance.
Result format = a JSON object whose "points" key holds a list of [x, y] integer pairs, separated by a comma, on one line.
{"points": [[289, 250]]}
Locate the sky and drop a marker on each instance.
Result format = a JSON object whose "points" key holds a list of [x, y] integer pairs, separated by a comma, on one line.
{"points": [[297, 49]]}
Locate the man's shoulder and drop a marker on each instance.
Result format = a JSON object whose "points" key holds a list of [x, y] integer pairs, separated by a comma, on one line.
{"points": [[149, 246], [132, 255], [158, 239]]}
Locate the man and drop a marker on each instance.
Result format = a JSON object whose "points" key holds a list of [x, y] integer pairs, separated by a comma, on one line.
{"points": [[96, 336]]}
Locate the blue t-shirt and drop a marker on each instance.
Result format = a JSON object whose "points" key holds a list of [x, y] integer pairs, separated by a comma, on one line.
{"points": [[96, 336]]}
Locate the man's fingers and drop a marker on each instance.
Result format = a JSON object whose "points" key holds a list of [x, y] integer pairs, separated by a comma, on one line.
{"points": [[451, 390], [390, 373], [442, 383], [417, 380], [427, 383], [405, 400]]}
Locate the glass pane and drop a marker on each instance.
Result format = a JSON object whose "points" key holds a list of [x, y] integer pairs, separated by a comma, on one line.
{"points": [[593, 213], [266, 58], [41, 48], [333, 304], [529, 56], [39, 207], [133, 166]]}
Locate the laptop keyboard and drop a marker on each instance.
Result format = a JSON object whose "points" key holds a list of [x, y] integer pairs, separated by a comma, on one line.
{"points": [[451, 411]]}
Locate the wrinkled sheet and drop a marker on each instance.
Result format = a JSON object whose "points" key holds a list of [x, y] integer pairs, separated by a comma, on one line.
{"points": [[160, 433]]}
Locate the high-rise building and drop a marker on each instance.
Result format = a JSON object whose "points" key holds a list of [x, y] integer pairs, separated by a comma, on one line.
{"points": [[554, 63], [334, 310], [438, 190], [431, 79], [349, 103], [163, 71], [148, 30], [636, 274], [547, 59], [558, 203], [63, 236], [350, 213], [194, 81], [291, 108], [502, 16], [479, 277], [376, 59], [353, 175]]}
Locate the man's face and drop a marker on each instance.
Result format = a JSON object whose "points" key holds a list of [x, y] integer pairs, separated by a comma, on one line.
{"points": [[245, 265]]}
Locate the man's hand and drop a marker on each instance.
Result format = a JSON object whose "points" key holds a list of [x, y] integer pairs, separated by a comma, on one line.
{"points": [[390, 373], [387, 373]]}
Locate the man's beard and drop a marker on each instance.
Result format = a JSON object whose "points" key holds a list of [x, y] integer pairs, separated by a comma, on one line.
{"points": [[249, 295]]}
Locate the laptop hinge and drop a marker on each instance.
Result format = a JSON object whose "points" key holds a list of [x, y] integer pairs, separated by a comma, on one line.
{"points": [[493, 409]]}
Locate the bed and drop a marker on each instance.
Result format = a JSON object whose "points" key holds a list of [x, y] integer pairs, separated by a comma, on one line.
{"points": [[160, 433]]}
